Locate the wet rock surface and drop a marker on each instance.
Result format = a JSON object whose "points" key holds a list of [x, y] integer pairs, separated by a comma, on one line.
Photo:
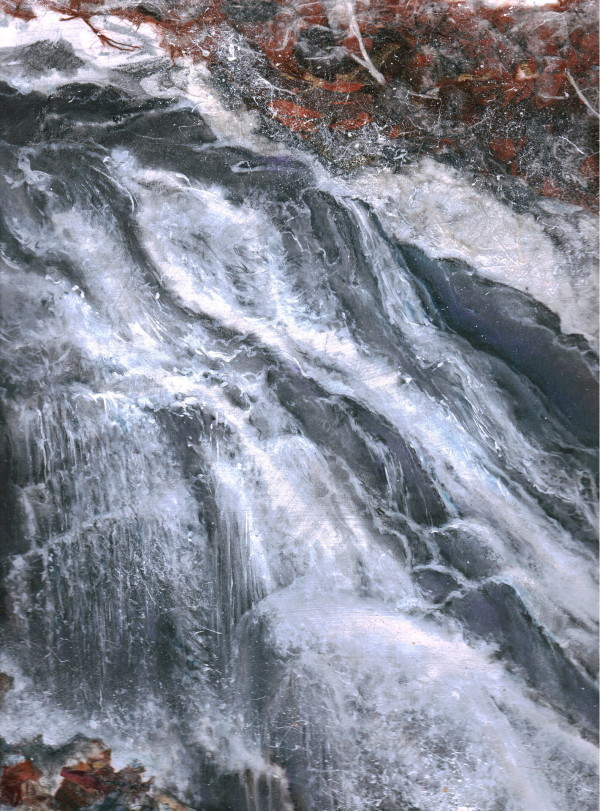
{"points": [[298, 512]]}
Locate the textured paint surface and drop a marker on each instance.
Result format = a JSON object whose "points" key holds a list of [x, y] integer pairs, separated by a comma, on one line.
{"points": [[299, 454]]}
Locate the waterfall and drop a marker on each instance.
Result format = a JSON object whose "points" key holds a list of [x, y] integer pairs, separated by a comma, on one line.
{"points": [[298, 514]]}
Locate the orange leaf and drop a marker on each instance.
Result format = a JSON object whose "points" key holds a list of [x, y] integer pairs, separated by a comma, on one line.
{"points": [[341, 86], [288, 108], [296, 124], [353, 123]]}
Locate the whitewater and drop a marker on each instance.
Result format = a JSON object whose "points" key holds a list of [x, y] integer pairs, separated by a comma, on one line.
{"points": [[300, 507]]}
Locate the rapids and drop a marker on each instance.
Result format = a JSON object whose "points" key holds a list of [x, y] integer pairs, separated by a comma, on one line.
{"points": [[296, 514]]}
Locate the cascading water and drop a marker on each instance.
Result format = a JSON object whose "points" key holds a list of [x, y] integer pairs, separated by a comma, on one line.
{"points": [[299, 516]]}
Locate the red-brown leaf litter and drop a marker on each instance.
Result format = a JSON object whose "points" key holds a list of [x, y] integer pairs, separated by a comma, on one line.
{"points": [[507, 91]]}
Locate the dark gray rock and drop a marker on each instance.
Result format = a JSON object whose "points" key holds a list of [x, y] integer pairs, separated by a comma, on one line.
{"points": [[495, 612]]}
